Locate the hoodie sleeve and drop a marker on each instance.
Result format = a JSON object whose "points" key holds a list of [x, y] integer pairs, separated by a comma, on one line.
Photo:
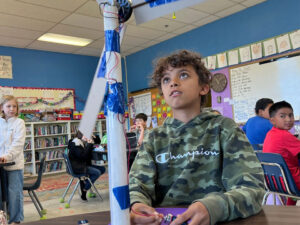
{"points": [[17, 140]]}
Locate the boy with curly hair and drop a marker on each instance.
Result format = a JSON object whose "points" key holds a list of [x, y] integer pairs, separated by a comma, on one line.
{"points": [[197, 158]]}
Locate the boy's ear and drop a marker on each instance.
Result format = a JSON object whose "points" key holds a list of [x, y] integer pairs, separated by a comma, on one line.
{"points": [[204, 89], [272, 120]]}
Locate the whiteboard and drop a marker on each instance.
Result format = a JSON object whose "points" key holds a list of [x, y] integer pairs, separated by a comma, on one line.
{"points": [[278, 80]]}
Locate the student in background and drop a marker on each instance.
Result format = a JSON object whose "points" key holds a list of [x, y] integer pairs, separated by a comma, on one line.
{"points": [[80, 149], [196, 158], [280, 140], [12, 139], [140, 127], [102, 169], [257, 127]]}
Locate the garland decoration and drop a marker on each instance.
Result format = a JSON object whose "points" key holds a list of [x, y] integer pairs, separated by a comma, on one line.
{"points": [[41, 100]]}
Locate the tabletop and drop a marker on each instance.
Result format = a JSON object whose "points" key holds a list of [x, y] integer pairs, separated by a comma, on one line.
{"points": [[270, 215]]}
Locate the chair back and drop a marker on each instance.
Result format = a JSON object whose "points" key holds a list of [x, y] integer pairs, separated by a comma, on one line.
{"points": [[278, 177], [38, 181], [68, 164]]}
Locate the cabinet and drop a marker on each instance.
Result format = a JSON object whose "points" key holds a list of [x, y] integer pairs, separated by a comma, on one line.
{"points": [[50, 139]]}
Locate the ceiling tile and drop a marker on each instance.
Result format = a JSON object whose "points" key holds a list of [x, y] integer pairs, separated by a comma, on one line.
{"points": [[47, 46], [250, 3], [231, 10], [163, 24], [126, 47], [13, 7], [165, 37], [77, 31], [133, 41], [213, 6], [206, 20], [90, 8], [66, 5], [97, 44], [135, 49], [88, 51], [84, 21], [184, 29], [188, 15], [149, 43], [19, 33], [24, 23], [238, 1], [14, 42], [143, 32]]}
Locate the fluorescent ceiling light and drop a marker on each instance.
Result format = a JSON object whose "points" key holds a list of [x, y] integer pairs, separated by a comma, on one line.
{"points": [[64, 39]]}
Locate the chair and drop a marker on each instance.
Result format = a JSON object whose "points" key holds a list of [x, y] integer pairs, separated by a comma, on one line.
{"points": [[74, 175], [31, 187], [278, 178]]}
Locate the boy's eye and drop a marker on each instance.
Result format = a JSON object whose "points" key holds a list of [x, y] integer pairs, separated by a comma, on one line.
{"points": [[165, 80], [184, 75]]}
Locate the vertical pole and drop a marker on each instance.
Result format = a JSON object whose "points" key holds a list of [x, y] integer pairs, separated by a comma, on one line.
{"points": [[117, 164]]}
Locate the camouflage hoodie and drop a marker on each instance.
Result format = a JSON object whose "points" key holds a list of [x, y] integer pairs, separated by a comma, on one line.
{"points": [[208, 159]]}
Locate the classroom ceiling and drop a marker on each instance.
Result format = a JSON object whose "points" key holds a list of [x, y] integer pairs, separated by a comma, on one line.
{"points": [[22, 22]]}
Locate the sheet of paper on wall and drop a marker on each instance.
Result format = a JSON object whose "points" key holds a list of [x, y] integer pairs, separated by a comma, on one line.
{"points": [[204, 60], [142, 104], [211, 62], [233, 57], [6, 91], [157, 9], [222, 60], [245, 54], [270, 47], [5, 67], [295, 39], [283, 43], [256, 50]]}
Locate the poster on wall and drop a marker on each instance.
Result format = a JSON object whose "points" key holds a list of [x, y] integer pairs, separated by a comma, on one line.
{"points": [[5, 67], [142, 104]]}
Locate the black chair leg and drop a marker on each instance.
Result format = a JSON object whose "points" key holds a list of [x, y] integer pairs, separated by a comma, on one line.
{"points": [[35, 202], [38, 201]]}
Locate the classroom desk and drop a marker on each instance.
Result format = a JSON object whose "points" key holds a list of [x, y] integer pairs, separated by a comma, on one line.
{"points": [[270, 215], [3, 181]]}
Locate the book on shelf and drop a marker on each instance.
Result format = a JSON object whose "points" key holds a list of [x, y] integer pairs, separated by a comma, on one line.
{"points": [[27, 145], [51, 129], [27, 156]]}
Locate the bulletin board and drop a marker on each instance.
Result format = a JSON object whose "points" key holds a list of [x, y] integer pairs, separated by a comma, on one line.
{"points": [[278, 79], [41, 98], [150, 102]]}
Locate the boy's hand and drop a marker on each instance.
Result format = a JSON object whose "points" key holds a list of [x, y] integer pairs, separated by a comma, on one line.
{"points": [[132, 128], [140, 127], [196, 213], [144, 214]]}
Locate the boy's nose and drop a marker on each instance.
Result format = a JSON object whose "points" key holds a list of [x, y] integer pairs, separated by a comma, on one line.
{"points": [[174, 82]]}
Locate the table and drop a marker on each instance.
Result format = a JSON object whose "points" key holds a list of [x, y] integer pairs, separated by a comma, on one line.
{"points": [[270, 215], [3, 186]]}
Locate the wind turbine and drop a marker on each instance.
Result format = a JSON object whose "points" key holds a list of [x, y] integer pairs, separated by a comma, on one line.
{"points": [[108, 77]]}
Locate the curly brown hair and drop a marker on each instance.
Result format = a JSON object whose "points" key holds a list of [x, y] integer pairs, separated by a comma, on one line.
{"points": [[180, 59]]}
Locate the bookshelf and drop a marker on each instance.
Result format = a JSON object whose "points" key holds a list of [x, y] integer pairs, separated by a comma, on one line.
{"points": [[50, 139]]}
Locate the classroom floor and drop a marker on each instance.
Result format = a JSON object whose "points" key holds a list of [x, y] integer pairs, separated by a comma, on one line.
{"points": [[50, 192]]}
